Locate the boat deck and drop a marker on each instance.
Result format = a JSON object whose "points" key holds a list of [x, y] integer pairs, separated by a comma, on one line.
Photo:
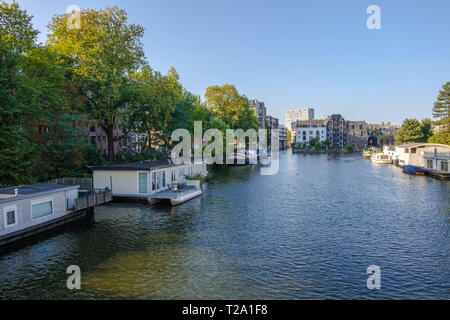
{"points": [[438, 174], [170, 194]]}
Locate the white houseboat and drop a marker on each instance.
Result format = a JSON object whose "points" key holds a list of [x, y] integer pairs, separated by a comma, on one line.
{"points": [[28, 210], [152, 181], [381, 158]]}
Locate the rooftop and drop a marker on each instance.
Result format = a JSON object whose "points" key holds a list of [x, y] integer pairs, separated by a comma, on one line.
{"points": [[23, 192], [416, 144], [136, 166]]}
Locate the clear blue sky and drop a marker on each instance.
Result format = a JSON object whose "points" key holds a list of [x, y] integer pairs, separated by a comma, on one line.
{"points": [[296, 53]]}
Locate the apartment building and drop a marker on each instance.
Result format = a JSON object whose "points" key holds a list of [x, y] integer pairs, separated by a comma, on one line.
{"points": [[337, 131], [357, 134], [260, 111], [298, 115], [310, 129]]}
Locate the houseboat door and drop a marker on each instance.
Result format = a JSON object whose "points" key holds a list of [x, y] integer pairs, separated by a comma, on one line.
{"points": [[159, 181]]}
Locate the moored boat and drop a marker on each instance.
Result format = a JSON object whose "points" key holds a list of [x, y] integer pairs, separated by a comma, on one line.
{"points": [[381, 158], [413, 170]]}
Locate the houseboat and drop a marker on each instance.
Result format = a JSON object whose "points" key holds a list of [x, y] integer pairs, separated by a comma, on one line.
{"points": [[152, 181], [31, 209], [381, 158], [436, 163]]}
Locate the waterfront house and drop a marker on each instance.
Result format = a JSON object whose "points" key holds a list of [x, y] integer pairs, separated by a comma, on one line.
{"points": [[142, 180], [413, 153], [26, 210], [437, 162]]}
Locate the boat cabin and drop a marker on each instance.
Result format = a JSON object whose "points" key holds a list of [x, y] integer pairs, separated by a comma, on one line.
{"points": [[141, 180], [29, 207]]}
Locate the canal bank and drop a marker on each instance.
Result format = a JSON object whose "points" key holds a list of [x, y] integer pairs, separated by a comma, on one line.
{"points": [[308, 232]]}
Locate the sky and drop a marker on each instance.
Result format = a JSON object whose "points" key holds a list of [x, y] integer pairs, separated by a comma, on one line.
{"points": [[295, 54]]}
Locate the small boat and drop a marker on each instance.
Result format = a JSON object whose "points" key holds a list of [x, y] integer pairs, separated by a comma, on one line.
{"points": [[381, 158], [413, 170]]}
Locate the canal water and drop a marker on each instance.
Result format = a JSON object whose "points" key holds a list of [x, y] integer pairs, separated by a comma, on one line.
{"points": [[309, 232]]}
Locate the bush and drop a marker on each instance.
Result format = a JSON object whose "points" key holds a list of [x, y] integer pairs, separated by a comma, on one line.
{"points": [[126, 156]]}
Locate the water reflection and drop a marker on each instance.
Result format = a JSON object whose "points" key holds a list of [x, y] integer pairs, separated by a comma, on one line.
{"points": [[308, 232]]}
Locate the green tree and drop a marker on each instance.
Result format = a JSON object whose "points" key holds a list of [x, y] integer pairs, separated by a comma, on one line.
{"points": [[313, 143], [17, 153], [104, 53], [231, 107], [410, 131], [326, 145], [441, 111], [425, 126]]}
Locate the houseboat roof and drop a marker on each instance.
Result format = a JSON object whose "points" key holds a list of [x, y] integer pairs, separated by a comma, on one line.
{"points": [[420, 144], [30, 191], [136, 166]]}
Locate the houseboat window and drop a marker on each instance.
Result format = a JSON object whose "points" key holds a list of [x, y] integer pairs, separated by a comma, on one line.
{"points": [[430, 164], [10, 216], [444, 166], [158, 180], [143, 182], [174, 175], [153, 181], [42, 209], [413, 150], [164, 179]]}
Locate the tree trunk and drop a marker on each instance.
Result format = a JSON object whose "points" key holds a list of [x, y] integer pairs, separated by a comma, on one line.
{"points": [[109, 130]]}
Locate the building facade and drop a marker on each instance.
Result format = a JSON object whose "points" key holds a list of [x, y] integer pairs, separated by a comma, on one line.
{"points": [[357, 134], [310, 129], [380, 135], [283, 137], [98, 137], [273, 122], [337, 131], [260, 111], [298, 115]]}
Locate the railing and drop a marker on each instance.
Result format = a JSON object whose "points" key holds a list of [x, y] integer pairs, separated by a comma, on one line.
{"points": [[445, 154], [84, 183], [95, 198]]}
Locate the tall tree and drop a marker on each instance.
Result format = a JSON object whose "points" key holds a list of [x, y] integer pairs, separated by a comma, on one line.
{"points": [[17, 153], [104, 52], [157, 99], [231, 107], [410, 131], [441, 111]]}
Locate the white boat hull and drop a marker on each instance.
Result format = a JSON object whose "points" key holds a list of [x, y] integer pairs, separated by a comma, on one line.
{"points": [[382, 161], [182, 199]]}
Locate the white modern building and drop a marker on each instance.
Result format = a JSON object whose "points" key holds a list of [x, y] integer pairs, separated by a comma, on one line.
{"points": [[298, 115], [307, 130]]}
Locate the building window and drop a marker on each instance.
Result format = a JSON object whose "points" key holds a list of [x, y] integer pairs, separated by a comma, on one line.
{"points": [[10, 216], [143, 182], [174, 175], [41, 209], [444, 166], [153, 181], [181, 173], [164, 179], [413, 150], [430, 164], [190, 171]]}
